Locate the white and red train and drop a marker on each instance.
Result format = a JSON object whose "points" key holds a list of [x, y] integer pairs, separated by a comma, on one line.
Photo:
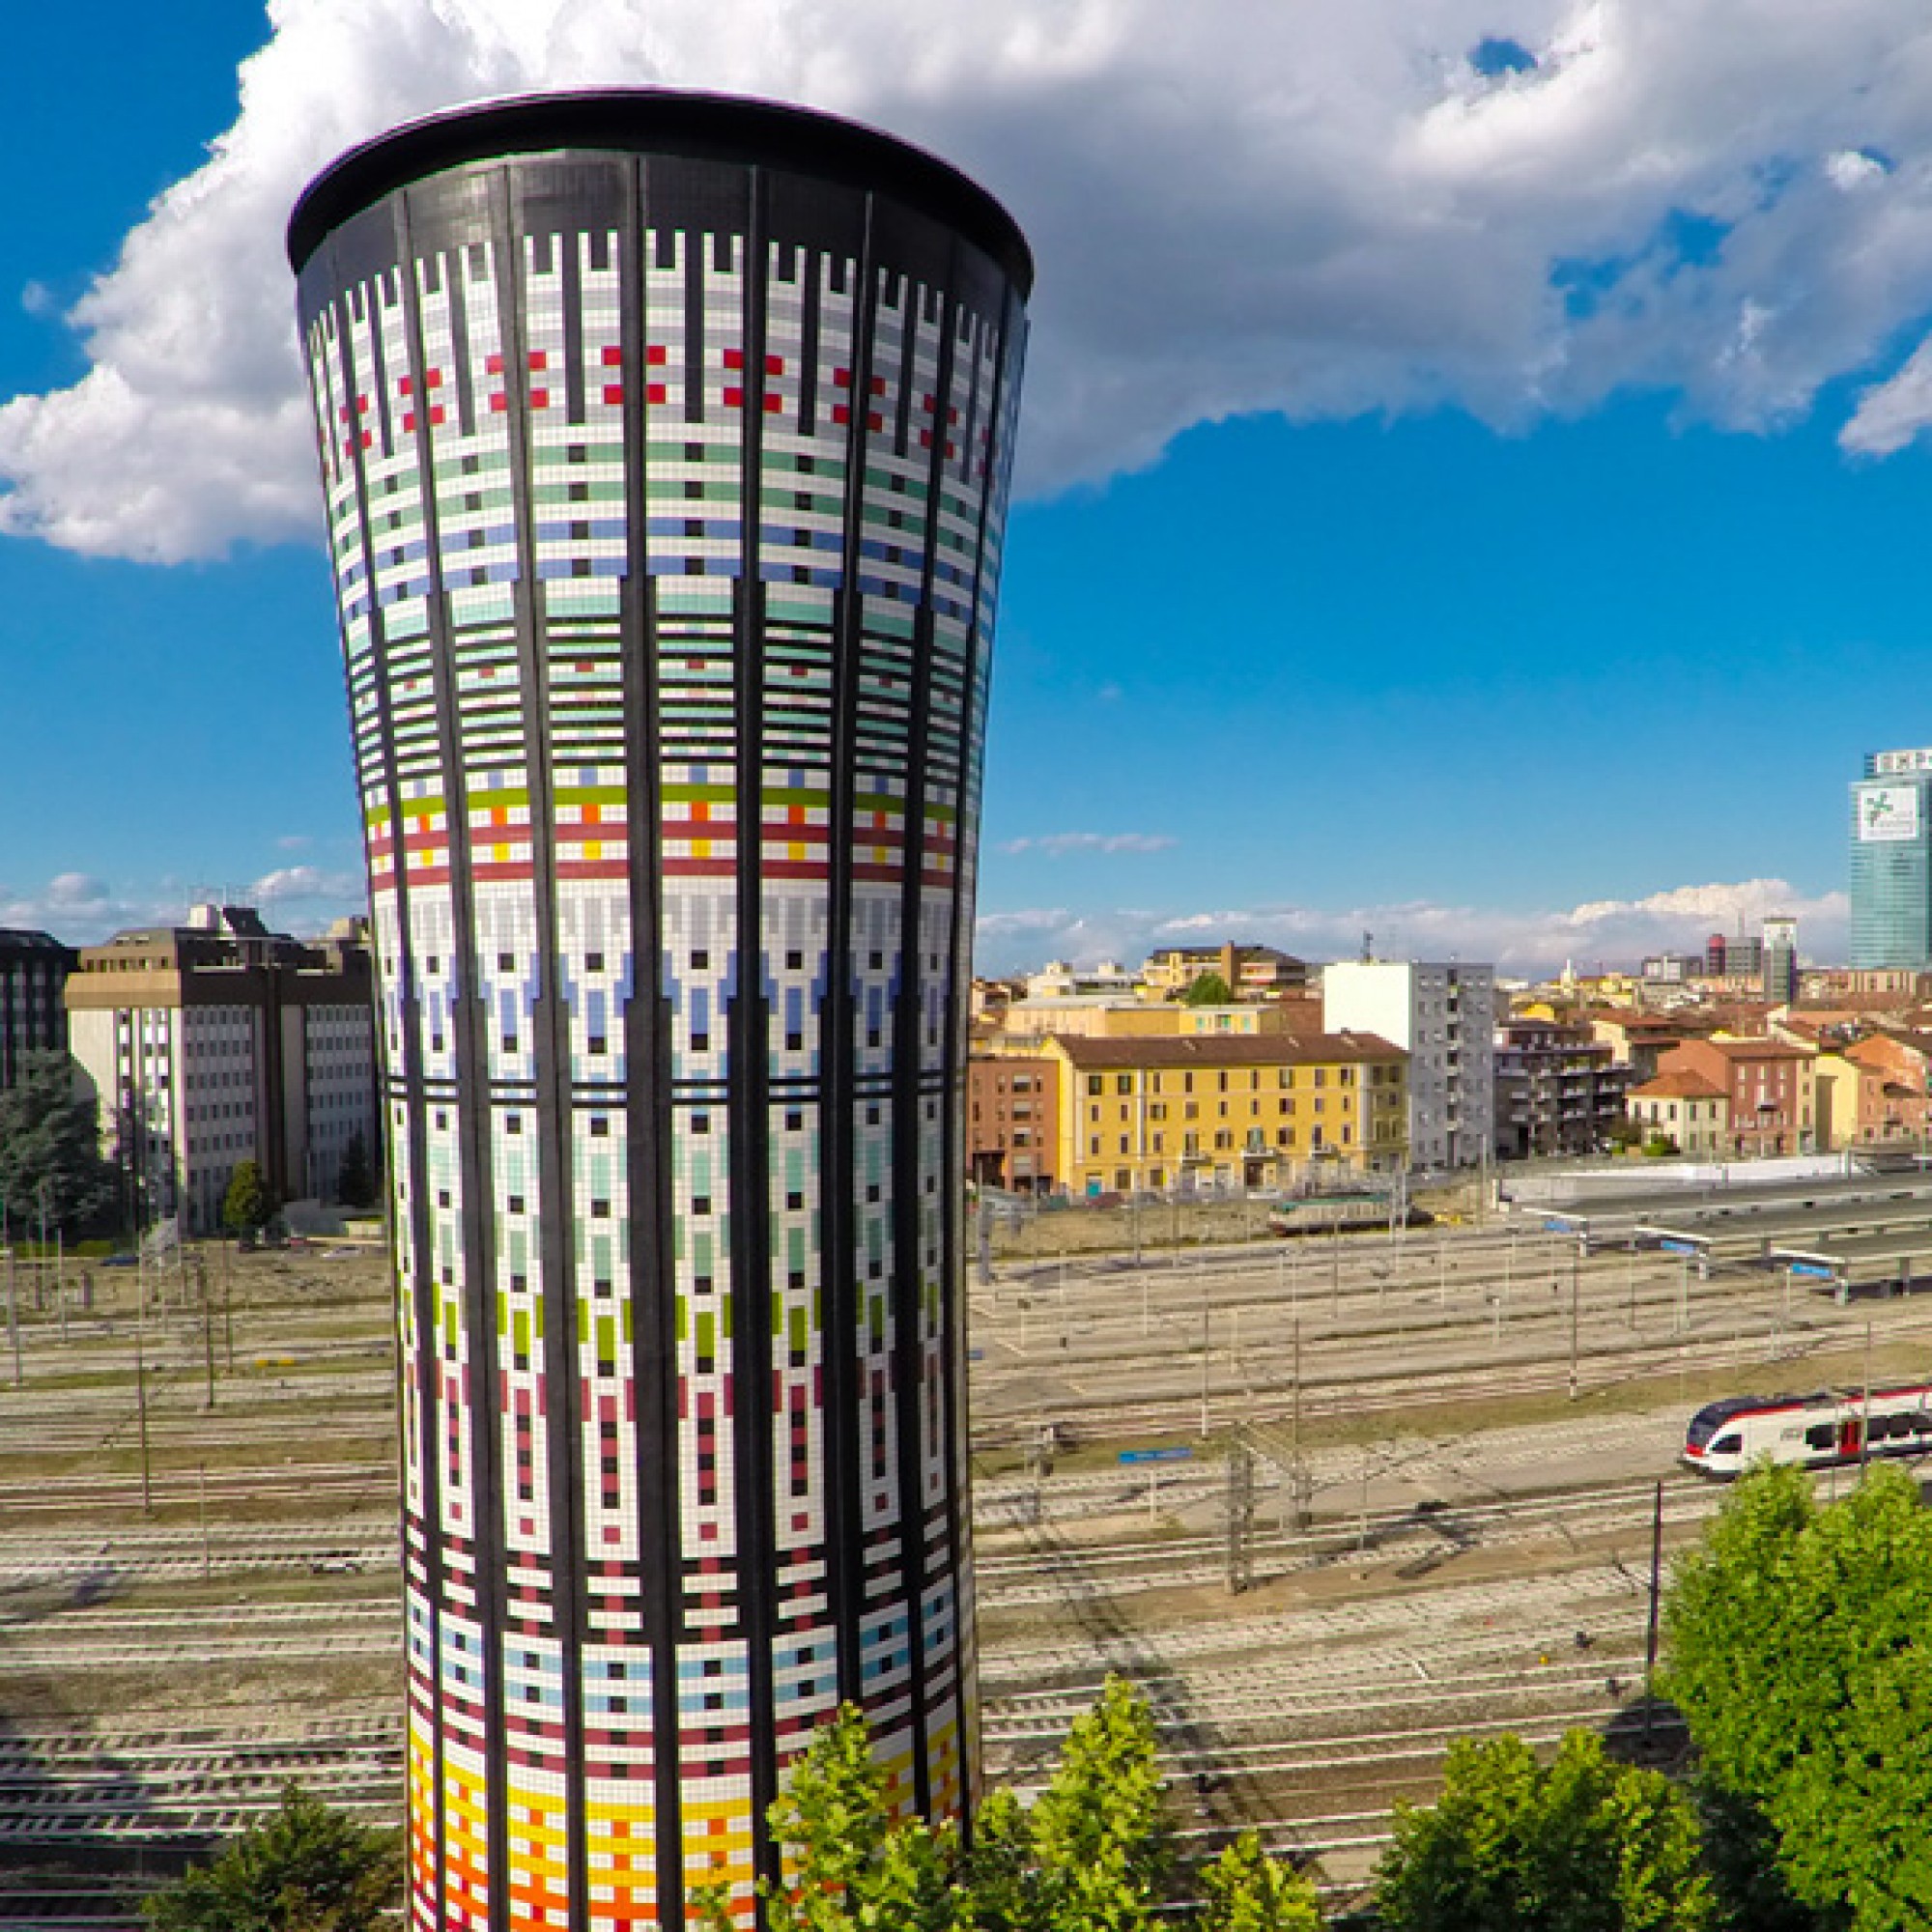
{"points": [[1833, 1426]]}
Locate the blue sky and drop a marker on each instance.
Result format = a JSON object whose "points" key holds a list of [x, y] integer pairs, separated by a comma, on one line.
{"points": [[1528, 593]]}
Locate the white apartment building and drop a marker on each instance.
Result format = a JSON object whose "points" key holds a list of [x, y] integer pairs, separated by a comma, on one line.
{"points": [[1444, 1017], [219, 1041]]}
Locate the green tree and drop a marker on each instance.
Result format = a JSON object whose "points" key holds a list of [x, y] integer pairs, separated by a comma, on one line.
{"points": [[1799, 1655], [849, 1866], [1000, 1872], [1245, 1891], [1090, 1856], [355, 1176], [50, 1162], [249, 1201], [1209, 989], [1098, 1832], [1585, 1845], [308, 1870]]}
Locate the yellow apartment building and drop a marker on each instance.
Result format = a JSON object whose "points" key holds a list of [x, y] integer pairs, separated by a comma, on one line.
{"points": [[1247, 1109]]}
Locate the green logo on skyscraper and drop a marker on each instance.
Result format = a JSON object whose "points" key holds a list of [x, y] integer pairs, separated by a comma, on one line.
{"points": [[1888, 813]]}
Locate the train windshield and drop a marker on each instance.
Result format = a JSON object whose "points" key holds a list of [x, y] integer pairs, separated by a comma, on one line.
{"points": [[1712, 1417]]}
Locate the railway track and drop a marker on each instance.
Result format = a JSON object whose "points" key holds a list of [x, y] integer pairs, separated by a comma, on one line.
{"points": [[1366, 1367], [1421, 1532], [1307, 1723], [1440, 1589]]}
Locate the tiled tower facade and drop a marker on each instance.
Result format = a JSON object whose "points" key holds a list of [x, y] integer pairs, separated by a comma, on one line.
{"points": [[665, 442]]}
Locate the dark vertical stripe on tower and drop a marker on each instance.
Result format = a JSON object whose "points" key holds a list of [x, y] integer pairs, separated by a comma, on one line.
{"points": [[839, 1175], [553, 1034], [647, 1047], [422, 1241], [749, 1074], [551, 1028]]}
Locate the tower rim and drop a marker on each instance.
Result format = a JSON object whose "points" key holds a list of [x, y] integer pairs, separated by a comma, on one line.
{"points": [[658, 120]]}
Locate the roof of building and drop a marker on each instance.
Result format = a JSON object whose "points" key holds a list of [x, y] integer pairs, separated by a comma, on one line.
{"points": [[1910, 1038], [1055, 1002], [1679, 1084], [1757, 1048], [1253, 1049], [1633, 1021], [659, 121]]}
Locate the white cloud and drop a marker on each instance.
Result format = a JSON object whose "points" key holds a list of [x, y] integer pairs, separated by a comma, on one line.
{"points": [[1059, 844], [84, 910], [1312, 210], [81, 909], [1852, 169], [1613, 932], [1890, 413], [305, 883]]}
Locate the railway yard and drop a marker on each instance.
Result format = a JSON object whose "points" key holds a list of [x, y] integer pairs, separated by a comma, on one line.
{"points": [[1384, 1488]]}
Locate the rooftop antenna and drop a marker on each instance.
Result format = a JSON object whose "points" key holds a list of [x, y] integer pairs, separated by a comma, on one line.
{"points": [[1367, 948]]}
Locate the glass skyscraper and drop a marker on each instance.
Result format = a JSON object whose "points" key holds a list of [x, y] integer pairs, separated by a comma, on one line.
{"points": [[664, 443], [1891, 862]]}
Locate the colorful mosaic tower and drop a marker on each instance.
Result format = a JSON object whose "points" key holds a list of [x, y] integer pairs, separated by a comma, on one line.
{"points": [[665, 442]]}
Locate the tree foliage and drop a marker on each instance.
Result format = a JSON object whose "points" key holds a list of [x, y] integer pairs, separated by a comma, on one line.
{"points": [[1585, 1846], [1798, 1655], [849, 1867], [249, 1201], [1091, 1854], [309, 1868], [51, 1160], [1099, 1836], [1208, 989], [1245, 1891]]}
